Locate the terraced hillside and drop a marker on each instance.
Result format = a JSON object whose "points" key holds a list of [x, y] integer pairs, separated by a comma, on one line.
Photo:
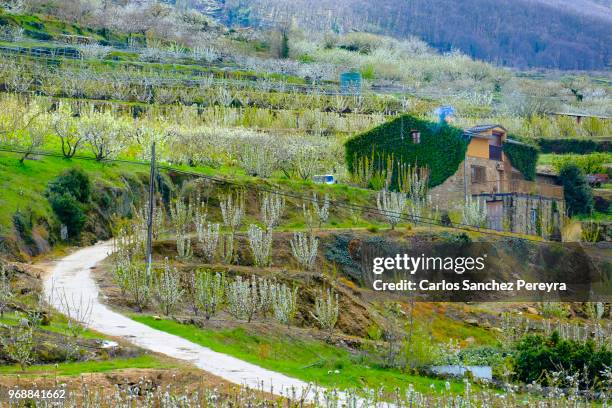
{"points": [[252, 258]]}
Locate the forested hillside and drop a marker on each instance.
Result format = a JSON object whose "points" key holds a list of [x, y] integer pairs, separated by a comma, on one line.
{"points": [[519, 33]]}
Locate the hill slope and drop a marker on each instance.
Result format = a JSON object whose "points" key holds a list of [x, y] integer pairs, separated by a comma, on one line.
{"points": [[520, 33]]}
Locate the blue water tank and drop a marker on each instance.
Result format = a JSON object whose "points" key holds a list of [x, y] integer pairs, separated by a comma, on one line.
{"points": [[350, 83]]}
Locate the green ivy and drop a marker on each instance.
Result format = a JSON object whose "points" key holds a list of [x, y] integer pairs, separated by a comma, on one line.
{"points": [[442, 147], [523, 157]]}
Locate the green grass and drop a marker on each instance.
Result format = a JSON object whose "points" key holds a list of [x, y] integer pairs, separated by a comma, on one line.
{"points": [[546, 158], [445, 328], [309, 360], [23, 185], [59, 324], [595, 216], [81, 367]]}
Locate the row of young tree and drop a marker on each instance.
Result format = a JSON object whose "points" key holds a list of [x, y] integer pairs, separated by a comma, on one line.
{"points": [[216, 240], [207, 291]]}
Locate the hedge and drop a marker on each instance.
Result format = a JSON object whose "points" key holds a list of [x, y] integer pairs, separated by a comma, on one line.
{"points": [[536, 355], [580, 146], [442, 147], [523, 157]]}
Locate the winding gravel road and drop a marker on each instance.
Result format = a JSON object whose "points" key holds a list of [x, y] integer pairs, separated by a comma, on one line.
{"points": [[71, 279]]}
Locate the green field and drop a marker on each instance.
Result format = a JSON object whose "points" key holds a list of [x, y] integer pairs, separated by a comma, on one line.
{"points": [[312, 361]]}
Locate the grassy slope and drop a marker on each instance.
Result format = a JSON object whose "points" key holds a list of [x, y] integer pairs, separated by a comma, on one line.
{"points": [[23, 186], [59, 324], [311, 361], [80, 367], [39, 30], [50, 28]]}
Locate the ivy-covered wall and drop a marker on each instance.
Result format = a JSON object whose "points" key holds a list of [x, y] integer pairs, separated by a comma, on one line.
{"points": [[524, 158], [442, 148]]}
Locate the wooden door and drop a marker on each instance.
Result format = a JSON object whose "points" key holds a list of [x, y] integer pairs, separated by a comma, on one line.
{"points": [[495, 214]]}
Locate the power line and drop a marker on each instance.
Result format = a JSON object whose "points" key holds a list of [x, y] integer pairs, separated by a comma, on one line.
{"points": [[352, 206]]}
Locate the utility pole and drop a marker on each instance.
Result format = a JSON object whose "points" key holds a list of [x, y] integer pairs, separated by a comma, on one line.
{"points": [[150, 215]]}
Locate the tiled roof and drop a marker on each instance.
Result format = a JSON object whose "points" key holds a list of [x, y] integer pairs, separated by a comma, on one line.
{"points": [[483, 128]]}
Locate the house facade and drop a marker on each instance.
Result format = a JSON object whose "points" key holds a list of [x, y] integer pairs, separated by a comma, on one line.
{"points": [[512, 202]]}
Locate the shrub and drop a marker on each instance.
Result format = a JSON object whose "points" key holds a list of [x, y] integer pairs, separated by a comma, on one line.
{"points": [[69, 211], [482, 355], [418, 349], [38, 35], [474, 212], [578, 195], [19, 346], [73, 181], [536, 355]]}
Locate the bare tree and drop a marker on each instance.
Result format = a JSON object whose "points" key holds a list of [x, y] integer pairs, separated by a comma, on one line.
{"points": [[78, 313]]}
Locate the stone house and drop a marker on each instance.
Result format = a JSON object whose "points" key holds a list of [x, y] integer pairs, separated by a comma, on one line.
{"points": [[512, 203]]}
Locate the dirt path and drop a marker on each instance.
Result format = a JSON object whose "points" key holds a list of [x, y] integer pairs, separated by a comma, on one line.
{"points": [[71, 279]]}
